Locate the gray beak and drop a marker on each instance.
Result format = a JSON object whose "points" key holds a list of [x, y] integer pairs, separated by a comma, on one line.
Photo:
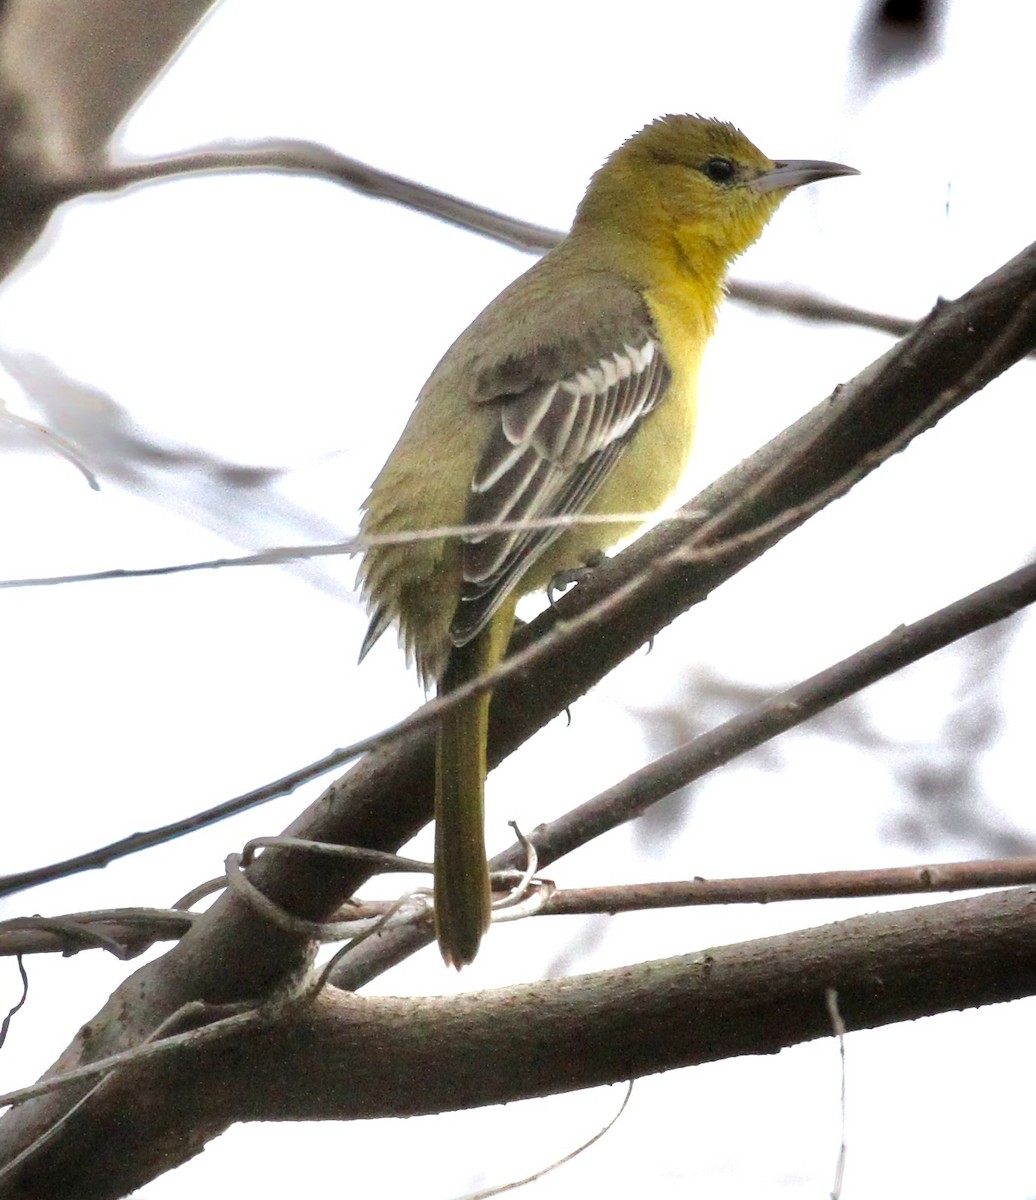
{"points": [[795, 172]]}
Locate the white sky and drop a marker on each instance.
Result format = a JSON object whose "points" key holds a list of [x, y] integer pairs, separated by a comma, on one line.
{"points": [[285, 322]]}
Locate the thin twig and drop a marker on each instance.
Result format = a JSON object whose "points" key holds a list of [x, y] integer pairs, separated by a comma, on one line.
{"points": [[838, 1025], [786, 710], [555, 643], [14, 1009], [817, 885], [124, 932], [154, 1044], [517, 1183], [637, 792], [53, 441], [300, 157], [279, 555], [138, 928], [382, 862]]}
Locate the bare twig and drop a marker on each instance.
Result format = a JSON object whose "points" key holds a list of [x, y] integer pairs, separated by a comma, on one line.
{"points": [[382, 862], [355, 1057], [124, 932], [838, 1025], [817, 885], [5, 1025], [633, 795], [278, 555], [128, 931], [158, 1043], [537, 1175], [830, 452], [53, 441], [300, 157], [233, 953], [784, 711], [103, 855], [809, 307], [411, 909]]}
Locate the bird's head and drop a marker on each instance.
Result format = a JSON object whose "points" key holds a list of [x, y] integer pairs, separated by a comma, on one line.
{"points": [[699, 182]]}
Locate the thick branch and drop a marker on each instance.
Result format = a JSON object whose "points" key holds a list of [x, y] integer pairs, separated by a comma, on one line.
{"points": [[628, 798], [386, 798], [354, 1057]]}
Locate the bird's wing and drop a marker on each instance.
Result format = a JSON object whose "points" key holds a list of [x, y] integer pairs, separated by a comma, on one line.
{"points": [[553, 446]]}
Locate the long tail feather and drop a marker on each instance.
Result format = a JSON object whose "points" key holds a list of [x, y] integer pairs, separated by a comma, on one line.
{"points": [[462, 896]]}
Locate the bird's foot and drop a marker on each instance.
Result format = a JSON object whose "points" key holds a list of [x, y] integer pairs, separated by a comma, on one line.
{"points": [[561, 581]]}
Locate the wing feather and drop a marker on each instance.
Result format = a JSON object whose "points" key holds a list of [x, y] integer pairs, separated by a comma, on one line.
{"points": [[553, 447], [485, 555]]}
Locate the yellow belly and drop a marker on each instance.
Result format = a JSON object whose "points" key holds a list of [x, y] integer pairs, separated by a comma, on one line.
{"points": [[651, 466]]}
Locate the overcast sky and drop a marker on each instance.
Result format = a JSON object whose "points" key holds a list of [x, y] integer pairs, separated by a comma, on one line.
{"points": [[287, 324]]}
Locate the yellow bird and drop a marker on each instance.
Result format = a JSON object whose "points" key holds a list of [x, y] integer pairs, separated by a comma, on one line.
{"points": [[572, 393]]}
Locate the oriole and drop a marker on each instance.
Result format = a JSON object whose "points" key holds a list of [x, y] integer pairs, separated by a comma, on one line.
{"points": [[573, 392]]}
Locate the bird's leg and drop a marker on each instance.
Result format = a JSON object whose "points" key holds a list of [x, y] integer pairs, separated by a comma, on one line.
{"points": [[560, 581]]}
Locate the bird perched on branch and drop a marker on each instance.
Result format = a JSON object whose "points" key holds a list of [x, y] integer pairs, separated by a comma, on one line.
{"points": [[572, 393]]}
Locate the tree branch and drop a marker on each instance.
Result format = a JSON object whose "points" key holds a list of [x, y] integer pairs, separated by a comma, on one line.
{"points": [[953, 354], [124, 932], [812, 885], [961, 346], [355, 1057], [230, 954], [294, 156], [127, 932], [627, 799]]}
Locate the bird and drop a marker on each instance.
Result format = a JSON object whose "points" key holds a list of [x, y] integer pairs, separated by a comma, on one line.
{"points": [[573, 393]]}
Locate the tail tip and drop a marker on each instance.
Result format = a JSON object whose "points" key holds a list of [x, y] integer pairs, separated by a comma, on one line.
{"points": [[459, 947]]}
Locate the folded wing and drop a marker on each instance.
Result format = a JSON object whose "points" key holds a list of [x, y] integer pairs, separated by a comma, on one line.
{"points": [[553, 447]]}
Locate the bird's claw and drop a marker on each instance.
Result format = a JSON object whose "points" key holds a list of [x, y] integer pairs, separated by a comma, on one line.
{"points": [[560, 581]]}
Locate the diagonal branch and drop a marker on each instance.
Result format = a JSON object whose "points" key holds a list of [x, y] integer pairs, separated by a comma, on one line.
{"points": [[230, 954], [564, 651], [298, 157], [626, 800], [293, 156], [958, 349]]}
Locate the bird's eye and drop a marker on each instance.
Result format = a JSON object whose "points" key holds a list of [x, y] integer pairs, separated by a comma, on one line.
{"points": [[720, 170]]}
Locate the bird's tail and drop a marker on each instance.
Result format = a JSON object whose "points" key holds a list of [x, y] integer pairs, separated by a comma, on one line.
{"points": [[462, 896]]}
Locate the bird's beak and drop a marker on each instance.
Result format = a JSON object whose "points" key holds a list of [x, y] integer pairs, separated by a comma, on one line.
{"points": [[795, 172]]}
